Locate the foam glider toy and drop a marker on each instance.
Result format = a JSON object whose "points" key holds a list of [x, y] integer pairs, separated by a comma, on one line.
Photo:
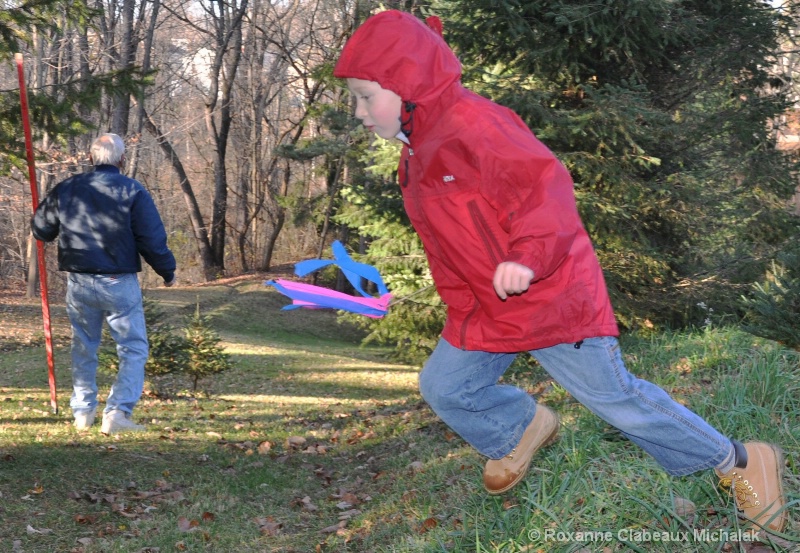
{"points": [[318, 297]]}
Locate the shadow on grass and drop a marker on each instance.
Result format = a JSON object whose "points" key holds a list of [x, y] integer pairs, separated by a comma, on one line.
{"points": [[359, 473]]}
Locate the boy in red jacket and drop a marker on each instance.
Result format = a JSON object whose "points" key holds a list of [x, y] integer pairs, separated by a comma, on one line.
{"points": [[510, 257]]}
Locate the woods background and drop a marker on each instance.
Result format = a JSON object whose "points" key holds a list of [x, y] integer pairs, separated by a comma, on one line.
{"points": [[677, 119]]}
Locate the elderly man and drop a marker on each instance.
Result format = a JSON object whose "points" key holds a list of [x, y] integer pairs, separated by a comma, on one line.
{"points": [[104, 221]]}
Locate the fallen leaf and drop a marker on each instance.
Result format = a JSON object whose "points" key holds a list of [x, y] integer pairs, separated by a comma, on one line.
{"points": [[308, 505], [268, 527], [428, 524], [186, 525], [334, 528], [85, 519], [684, 507], [349, 514], [175, 496]]}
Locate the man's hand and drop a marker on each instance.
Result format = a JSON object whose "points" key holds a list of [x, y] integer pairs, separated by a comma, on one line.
{"points": [[172, 282], [511, 278]]}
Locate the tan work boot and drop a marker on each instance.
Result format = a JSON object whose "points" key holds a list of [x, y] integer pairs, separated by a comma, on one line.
{"points": [[500, 475], [117, 421], [85, 419], [755, 483]]}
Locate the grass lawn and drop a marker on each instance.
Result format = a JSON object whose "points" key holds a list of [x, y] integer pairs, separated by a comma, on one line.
{"points": [[314, 443]]}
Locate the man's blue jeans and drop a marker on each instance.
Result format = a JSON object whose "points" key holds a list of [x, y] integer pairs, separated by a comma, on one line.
{"points": [[462, 388], [116, 299]]}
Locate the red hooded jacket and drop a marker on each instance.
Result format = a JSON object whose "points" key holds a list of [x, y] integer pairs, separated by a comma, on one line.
{"points": [[481, 189]]}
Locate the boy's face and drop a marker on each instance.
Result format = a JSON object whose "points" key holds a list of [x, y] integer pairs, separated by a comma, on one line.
{"points": [[378, 108]]}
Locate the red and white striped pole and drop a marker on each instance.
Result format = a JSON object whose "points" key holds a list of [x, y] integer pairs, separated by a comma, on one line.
{"points": [[23, 97]]}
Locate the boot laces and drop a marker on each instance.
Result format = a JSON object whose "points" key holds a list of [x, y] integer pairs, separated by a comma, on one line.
{"points": [[741, 489]]}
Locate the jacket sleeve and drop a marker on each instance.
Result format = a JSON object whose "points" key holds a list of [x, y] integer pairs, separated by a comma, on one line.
{"points": [[533, 195], [150, 236], [45, 223]]}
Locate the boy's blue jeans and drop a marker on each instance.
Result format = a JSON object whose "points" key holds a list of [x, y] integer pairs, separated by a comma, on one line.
{"points": [[116, 299], [462, 388]]}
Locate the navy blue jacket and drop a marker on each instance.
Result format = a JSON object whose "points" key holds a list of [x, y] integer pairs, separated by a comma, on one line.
{"points": [[104, 221]]}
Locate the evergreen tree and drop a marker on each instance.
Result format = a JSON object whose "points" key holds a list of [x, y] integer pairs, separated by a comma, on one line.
{"points": [[664, 114], [661, 111], [195, 354], [372, 203], [168, 350], [206, 357], [773, 307]]}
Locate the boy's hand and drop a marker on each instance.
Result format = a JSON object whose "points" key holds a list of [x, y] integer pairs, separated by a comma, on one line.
{"points": [[511, 278]]}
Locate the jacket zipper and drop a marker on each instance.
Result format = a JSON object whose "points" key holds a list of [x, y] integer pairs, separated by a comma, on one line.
{"points": [[494, 251], [489, 242], [465, 324]]}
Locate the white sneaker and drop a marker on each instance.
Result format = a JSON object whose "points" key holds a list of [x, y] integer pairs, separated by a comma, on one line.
{"points": [[117, 421], [85, 419]]}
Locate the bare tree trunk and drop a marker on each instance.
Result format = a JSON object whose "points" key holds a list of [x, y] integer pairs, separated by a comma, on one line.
{"points": [[147, 53], [278, 220], [33, 268], [127, 53], [333, 190], [210, 269], [219, 112]]}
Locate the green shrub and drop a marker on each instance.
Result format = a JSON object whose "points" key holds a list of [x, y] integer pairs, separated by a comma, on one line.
{"points": [[194, 353], [773, 308], [206, 357]]}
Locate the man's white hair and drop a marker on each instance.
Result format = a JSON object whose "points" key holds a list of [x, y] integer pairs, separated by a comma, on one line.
{"points": [[108, 149]]}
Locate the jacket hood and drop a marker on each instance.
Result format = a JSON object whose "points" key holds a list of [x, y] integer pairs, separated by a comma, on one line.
{"points": [[402, 54]]}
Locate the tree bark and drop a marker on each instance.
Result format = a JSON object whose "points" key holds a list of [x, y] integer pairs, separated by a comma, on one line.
{"points": [[127, 56], [210, 269], [228, 39]]}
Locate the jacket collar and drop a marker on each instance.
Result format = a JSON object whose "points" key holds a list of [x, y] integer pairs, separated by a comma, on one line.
{"points": [[107, 168]]}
